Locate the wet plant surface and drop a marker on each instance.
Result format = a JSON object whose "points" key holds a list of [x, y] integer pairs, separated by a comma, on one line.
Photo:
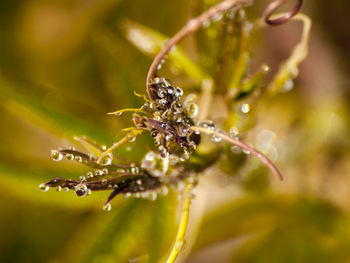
{"points": [[182, 166]]}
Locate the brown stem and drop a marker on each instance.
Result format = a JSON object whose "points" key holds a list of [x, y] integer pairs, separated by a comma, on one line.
{"points": [[191, 26], [242, 145], [278, 21]]}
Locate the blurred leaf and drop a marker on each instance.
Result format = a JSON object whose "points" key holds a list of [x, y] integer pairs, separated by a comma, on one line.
{"points": [[31, 108], [68, 27], [136, 229], [252, 83], [241, 62], [273, 213], [150, 42]]}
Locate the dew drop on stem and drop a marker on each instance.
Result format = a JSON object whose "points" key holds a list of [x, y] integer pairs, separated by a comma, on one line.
{"points": [[245, 108], [70, 156], [81, 190], [44, 187], [56, 155], [180, 244], [107, 207], [216, 138]]}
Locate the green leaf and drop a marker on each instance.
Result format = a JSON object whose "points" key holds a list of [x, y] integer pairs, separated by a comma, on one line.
{"points": [[150, 42], [271, 213], [30, 107], [135, 229], [252, 83]]}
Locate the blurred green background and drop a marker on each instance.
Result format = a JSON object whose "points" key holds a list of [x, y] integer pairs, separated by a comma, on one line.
{"points": [[65, 64]]}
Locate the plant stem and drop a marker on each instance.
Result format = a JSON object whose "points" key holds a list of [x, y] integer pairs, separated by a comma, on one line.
{"points": [[180, 237], [125, 139], [242, 145], [191, 26]]}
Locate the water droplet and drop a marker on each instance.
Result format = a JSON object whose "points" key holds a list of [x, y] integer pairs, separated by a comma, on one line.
{"points": [[245, 108], [69, 156], [192, 110], [107, 207], [118, 113], [288, 85], [58, 188], [78, 159], [216, 138], [56, 155], [236, 149], [66, 189], [120, 171], [108, 160], [98, 173], [88, 192], [266, 68], [89, 174], [163, 151], [152, 196], [156, 80], [180, 244], [186, 154], [104, 181], [234, 132], [178, 92], [132, 139], [182, 130], [208, 125], [155, 164], [81, 189], [83, 178], [44, 187], [164, 190], [161, 93], [170, 90], [105, 171], [246, 151], [169, 137]]}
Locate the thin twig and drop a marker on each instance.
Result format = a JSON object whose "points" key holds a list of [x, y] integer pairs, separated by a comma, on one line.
{"points": [[284, 18], [191, 26], [180, 237], [120, 112], [125, 139], [242, 145]]}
